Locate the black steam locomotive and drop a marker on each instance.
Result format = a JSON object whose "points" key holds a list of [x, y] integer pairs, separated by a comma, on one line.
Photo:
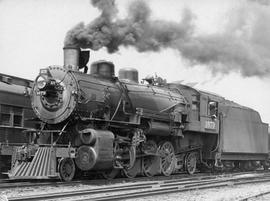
{"points": [[100, 123]]}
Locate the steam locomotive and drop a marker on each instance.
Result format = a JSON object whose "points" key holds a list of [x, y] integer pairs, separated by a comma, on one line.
{"points": [[100, 123]]}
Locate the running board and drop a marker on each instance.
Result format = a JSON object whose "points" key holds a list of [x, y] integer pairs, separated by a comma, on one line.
{"points": [[43, 166]]}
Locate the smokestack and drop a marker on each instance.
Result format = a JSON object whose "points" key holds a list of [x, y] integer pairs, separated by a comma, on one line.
{"points": [[71, 57]]}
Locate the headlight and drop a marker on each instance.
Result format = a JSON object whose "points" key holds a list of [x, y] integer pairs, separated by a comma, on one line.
{"points": [[41, 82]]}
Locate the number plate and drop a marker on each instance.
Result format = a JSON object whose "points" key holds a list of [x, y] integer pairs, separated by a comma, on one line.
{"points": [[210, 125]]}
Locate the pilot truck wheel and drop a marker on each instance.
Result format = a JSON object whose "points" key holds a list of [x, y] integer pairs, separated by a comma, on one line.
{"points": [[66, 169]]}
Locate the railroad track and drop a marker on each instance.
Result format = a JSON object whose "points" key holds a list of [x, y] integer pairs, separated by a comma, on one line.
{"points": [[9, 184], [147, 188], [255, 196]]}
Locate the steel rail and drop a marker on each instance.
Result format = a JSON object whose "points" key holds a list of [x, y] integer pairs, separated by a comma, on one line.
{"points": [[168, 190], [7, 183], [255, 196], [158, 185], [14, 184]]}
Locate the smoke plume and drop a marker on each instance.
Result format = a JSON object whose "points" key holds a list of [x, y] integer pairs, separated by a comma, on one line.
{"points": [[243, 46]]}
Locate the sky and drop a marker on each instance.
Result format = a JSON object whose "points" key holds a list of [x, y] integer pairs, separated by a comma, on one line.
{"points": [[32, 35]]}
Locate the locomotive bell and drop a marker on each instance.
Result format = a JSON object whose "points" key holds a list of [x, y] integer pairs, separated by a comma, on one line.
{"points": [[71, 57]]}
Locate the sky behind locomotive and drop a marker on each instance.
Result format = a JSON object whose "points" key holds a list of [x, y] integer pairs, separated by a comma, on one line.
{"points": [[224, 46]]}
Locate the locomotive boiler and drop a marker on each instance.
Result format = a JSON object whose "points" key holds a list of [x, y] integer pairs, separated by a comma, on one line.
{"points": [[99, 123]]}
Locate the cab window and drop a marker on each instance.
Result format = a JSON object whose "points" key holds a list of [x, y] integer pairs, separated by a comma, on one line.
{"points": [[212, 108]]}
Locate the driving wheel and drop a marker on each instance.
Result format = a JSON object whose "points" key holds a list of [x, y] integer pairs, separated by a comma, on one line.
{"points": [[110, 174], [191, 162], [167, 158], [150, 165], [134, 171]]}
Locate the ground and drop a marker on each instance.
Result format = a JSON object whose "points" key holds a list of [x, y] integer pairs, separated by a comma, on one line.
{"points": [[230, 193]]}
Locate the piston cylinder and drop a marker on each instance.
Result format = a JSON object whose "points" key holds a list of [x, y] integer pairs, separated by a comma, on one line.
{"points": [[71, 57], [86, 157], [98, 153]]}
